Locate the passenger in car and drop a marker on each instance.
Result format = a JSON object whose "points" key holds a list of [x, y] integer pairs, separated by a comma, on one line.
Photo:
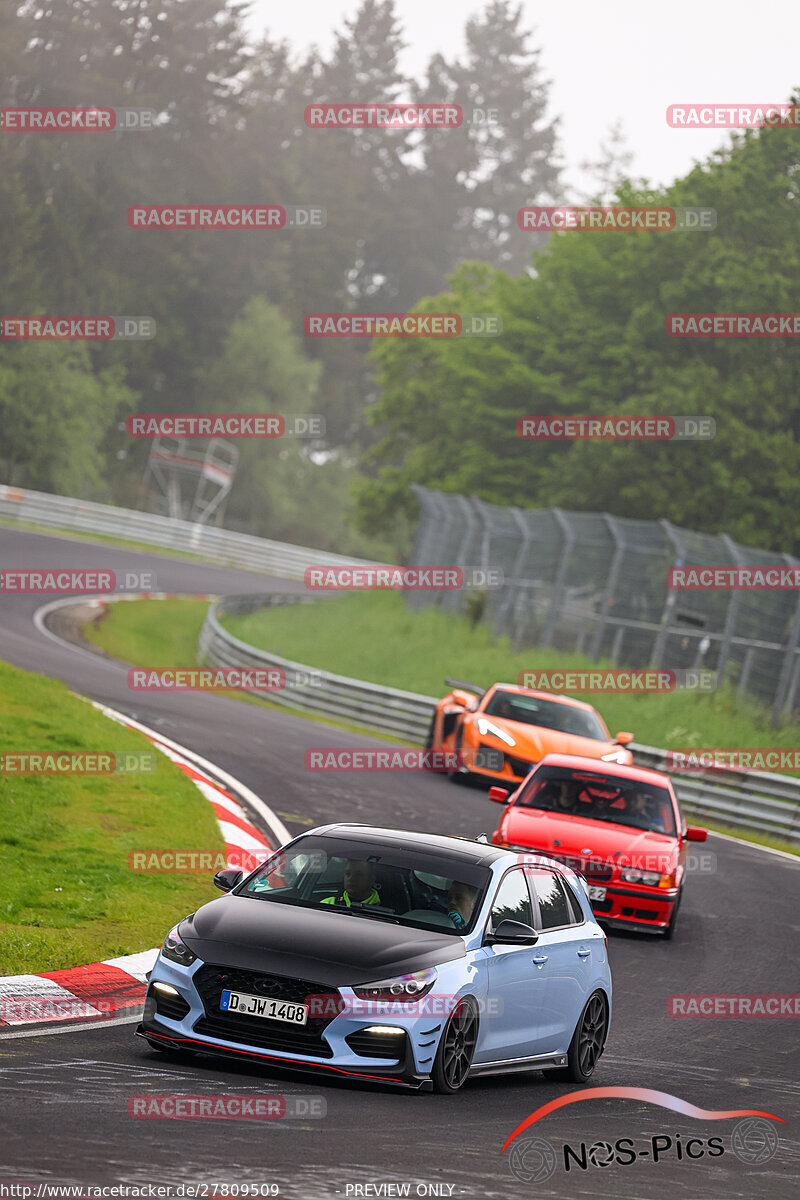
{"points": [[460, 903]]}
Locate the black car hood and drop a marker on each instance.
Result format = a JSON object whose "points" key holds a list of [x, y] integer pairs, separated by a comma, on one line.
{"points": [[338, 949]]}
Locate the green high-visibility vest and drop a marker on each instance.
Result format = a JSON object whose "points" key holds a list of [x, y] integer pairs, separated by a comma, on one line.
{"points": [[344, 898]]}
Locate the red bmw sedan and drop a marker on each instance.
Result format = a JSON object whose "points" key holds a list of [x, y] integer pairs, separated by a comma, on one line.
{"points": [[619, 826]]}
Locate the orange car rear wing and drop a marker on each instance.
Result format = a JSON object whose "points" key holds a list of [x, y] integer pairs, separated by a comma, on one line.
{"points": [[470, 687]]}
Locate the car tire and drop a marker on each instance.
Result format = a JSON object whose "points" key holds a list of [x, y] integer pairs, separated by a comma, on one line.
{"points": [[456, 1048], [669, 932], [587, 1042]]}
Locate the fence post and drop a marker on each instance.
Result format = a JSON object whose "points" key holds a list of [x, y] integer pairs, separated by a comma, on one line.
{"points": [[732, 613], [561, 575], [669, 602], [512, 586], [784, 679], [611, 584]]}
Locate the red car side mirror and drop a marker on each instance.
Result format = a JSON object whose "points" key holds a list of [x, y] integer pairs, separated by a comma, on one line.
{"points": [[623, 739], [695, 834], [499, 795]]}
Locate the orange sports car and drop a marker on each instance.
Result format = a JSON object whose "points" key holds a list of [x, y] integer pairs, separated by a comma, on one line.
{"points": [[503, 731]]}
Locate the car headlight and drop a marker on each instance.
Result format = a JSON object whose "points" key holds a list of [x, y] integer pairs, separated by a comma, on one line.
{"points": [[402, 987], [176, 950], [616, 756], [650, 878], [485, 727]]}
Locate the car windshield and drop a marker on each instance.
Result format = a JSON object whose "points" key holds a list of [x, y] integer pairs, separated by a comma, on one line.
{"points": [[382, 882], [548, 714], [600, 797]]}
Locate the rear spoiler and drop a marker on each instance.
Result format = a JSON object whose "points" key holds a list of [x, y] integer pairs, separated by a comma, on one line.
{"points": [[471, 687]]}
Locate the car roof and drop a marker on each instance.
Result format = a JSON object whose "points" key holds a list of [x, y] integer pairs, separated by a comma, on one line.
{"points": [[582, 763], [556, 697], [449, 846]]}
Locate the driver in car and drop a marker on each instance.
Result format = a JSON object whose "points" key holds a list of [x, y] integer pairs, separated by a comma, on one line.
{"points": [[460, 903], [646, 811], [358, 885]]}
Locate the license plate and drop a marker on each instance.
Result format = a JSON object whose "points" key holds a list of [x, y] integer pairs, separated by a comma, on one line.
{"points": [[597, 893], [263, 1006]]}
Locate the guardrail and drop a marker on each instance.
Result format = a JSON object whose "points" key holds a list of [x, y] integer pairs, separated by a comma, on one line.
{"points": [[211, 542], [754, 800], [405, 715]]}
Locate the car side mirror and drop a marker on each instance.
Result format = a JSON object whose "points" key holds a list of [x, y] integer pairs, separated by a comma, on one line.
{"points": [[499, 795], [227, 880], [695, 834], [512, 933], [623, 739]]}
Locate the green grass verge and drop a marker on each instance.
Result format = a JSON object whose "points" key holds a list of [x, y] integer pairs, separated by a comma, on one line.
{"points": [[751, 835], [374, 636], [164, 633], [68, 895], [415, 651]]}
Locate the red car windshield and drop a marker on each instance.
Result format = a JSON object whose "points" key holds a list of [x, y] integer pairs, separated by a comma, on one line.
{"points": [[599, 797], [533, 710]]}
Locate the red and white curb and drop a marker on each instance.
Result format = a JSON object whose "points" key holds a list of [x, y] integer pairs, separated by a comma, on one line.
{"points": [[116, 986]]}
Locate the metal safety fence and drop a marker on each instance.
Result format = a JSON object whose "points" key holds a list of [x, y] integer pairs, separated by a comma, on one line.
{"points": [[211, 542], [753, 800], [595, 584]]}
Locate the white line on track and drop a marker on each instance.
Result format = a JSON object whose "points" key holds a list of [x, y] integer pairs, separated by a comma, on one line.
{"points": [[77, 1027], [795, 858]]}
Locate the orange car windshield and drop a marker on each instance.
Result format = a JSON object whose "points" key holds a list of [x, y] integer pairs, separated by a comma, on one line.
{"points": [[533, 710]]}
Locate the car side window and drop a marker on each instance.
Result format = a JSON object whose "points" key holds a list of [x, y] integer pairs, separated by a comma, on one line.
{"points": [[554, 907], [512, 903]]}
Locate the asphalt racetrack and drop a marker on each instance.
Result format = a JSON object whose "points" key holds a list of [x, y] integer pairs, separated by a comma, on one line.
{"points": [[64, 1096]]}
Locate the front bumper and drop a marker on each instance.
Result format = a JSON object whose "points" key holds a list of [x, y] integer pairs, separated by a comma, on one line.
{"points": [[402, 1073], [180, 1025], [635, 907]]}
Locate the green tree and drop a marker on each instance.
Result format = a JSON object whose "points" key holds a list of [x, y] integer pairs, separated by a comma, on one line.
{"points": [[54, 411], [587, 337]]}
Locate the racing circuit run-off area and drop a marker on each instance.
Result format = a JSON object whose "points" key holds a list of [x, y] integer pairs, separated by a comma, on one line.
{"points": [[399, 601]]}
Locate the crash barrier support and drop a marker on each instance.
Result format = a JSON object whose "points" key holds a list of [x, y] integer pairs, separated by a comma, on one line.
{"points": [[207, 541], [744, 800]]}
